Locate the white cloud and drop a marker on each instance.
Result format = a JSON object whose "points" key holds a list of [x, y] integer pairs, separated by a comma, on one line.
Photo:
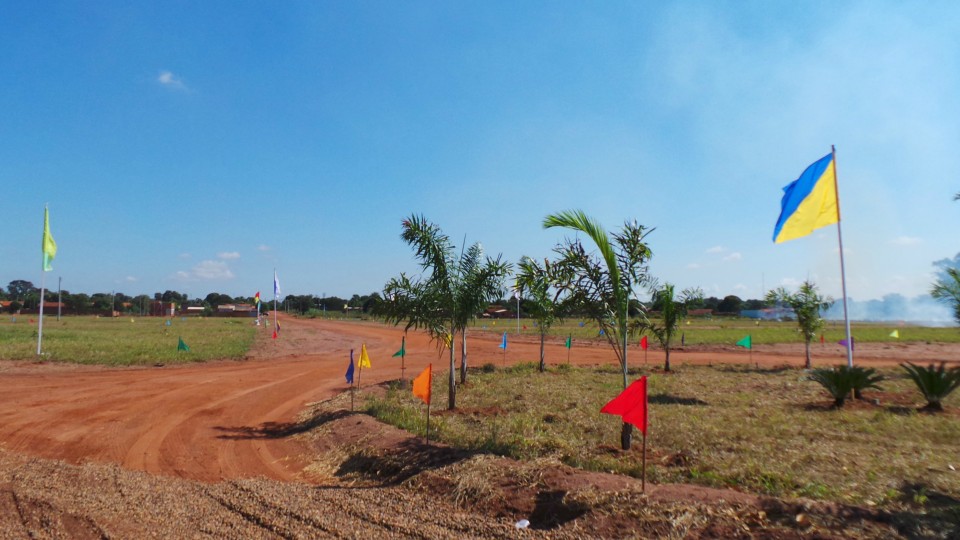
{"points": [[716, 249], [184, 256], [740, 287], [735, 256], [206, 271], [263, 247], [228, 255], [693, 266], [130, 279], [168, 79], [906, 241]]}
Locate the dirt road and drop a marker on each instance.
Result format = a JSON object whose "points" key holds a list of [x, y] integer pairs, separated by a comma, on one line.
{"points": [[205, 450], [220, 420]]}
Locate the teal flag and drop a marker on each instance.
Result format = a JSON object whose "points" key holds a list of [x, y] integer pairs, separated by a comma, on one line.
{"points": [[745, 342], [182, 346]]}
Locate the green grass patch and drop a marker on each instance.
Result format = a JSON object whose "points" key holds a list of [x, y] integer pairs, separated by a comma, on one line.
{"points": [[769, 431], [729, 330], [125, 341]]}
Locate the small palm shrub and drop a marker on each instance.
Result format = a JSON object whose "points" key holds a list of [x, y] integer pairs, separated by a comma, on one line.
{"points": [[934, 383], [840, 381]]}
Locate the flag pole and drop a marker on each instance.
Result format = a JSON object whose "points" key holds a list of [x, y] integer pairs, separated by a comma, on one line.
{"points": [[275, 316], [428, 421], [43, 277], [843, 272], [643, 467]]}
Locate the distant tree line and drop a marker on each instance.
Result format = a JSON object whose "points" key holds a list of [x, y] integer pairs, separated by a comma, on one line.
{"points": [[731, 304], [23, 295]]}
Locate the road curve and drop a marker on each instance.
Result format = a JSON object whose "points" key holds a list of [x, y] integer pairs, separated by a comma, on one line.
{"points": [[228, 420]]}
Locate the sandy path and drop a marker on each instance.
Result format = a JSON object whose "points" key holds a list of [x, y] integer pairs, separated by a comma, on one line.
{"points": [[229, 420]]}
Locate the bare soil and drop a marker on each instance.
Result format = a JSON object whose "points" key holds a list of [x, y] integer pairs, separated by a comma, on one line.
{"points": [[232, 449]]}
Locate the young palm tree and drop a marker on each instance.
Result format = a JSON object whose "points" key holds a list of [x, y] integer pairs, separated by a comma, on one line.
{"points": [[673, 311], [807, 303], [603, 287], [453, 292], [947, 290], [542, 303]]}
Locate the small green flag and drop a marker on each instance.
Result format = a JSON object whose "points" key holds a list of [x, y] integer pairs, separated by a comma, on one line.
{"points": [[568, 342], [745, 342], [403, 348], [182, 346]]}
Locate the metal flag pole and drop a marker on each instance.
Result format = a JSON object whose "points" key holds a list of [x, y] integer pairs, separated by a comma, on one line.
{"points": [[843, 272], [59, 291], [517, 294], [43, 277]]}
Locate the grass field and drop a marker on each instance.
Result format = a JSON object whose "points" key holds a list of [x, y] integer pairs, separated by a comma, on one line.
{"points": [[727, 331], [769, 431], [125, 341]]}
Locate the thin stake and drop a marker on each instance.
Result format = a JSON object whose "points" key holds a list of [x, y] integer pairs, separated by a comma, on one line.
{"points": [[643, 467], [428, 421]]}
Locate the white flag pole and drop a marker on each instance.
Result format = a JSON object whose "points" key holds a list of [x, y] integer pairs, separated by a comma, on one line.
{"points": [[43, 277], [843, 272]]}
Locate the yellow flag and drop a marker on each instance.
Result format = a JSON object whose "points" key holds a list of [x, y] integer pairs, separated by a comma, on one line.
{"points": [[895, 334], [364, 359], [49, 246], [423, 384]]}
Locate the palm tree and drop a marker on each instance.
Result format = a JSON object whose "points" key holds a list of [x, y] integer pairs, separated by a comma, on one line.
{"points": [[443, 302], [947, 290], [672, 312], [543, 305], [807, 303], [603, 287]]}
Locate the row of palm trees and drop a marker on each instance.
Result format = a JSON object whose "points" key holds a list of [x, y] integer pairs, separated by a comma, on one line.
{"points": [[454, 287]]}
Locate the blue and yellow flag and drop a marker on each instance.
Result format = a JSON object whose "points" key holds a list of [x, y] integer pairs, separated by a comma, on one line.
{"points": [[809, 202]]}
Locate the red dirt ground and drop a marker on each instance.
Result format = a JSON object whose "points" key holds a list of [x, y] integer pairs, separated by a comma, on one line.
{"points": [[196, 421]]}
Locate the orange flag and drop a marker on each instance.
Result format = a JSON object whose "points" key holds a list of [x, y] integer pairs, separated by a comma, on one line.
{"points": [[423, 383]]}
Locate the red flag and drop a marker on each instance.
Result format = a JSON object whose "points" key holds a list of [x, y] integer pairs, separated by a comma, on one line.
{"points": [[423, 384], [631, 405], [821, 339], [643, 343]]}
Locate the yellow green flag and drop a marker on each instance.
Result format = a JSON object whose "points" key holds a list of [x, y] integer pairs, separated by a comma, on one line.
{"points": [[49, 246]]}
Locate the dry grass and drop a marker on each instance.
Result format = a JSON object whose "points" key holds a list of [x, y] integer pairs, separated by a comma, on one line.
{"points": [[769, 432]]}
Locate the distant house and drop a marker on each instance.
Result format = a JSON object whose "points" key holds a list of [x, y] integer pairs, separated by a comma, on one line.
{"points": [[48, 308], [192, 310], [163, 309], [236, 310], [704, 313], [498, 312]]}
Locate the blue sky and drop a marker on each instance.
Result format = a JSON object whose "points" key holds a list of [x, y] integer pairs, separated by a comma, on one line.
{"points": [[196, 146]]}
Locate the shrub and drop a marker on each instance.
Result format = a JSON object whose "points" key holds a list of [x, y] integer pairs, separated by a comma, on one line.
{"points": [[840, 381], [934, 383]]}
